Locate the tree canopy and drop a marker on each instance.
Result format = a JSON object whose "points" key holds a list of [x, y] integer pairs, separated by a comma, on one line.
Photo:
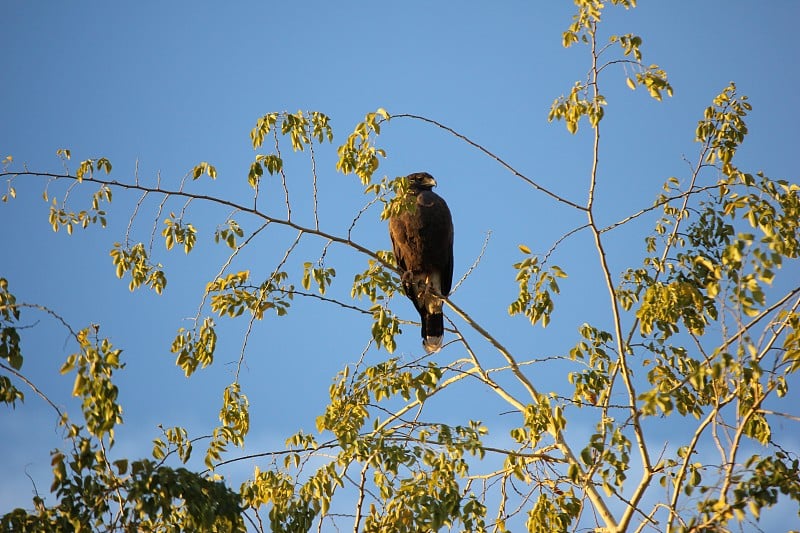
{"points": [[683, 315]]}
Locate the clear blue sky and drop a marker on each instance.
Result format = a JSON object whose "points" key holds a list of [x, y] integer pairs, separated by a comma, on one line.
{"points": [[165, 85]]}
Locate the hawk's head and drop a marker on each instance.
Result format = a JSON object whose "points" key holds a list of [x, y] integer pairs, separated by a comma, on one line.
{"points": [[420, 181]]}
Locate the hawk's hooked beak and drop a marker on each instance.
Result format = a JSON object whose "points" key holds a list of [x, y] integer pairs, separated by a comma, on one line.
{"points": [[422, 180]]}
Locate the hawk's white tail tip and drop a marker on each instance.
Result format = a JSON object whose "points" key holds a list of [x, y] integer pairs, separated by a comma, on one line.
{"points": [[432, 344]]}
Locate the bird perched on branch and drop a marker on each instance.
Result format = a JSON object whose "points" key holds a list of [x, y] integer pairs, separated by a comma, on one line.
{"points": [[422, 240]]}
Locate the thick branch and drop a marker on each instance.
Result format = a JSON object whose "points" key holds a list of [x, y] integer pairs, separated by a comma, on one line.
{"points": [[558, 436], [622, 348]]}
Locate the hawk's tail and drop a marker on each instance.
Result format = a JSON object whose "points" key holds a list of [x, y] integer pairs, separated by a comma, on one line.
{"points": [[432, 331]]}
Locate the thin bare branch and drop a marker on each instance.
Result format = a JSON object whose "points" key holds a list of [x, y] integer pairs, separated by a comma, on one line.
{"points": [[314, 183], [225, 266], [253, 316], [664, 201], [493, 156], [474, 263], [31, 385], [783, 415], [562, 239], [283, 177]]}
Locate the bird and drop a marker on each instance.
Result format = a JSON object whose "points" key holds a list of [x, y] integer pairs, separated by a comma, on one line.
{"points": [[422, 242]]}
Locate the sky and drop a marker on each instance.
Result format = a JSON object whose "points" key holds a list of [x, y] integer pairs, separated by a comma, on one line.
{"points": [[158, 87]]}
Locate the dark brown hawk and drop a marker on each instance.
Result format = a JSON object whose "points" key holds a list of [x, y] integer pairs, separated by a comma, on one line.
{"points": [[422, 240]]}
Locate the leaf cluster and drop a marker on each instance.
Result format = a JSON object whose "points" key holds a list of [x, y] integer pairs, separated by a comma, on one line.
{"points": [[10, 349], [537, 285], [358, 154], [136, 261]]}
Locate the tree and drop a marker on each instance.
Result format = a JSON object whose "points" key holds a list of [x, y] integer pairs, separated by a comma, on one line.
{"points": [[702, 329]]}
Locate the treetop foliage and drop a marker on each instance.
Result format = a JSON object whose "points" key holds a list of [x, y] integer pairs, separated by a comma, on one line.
{"points": [[699, 331]]}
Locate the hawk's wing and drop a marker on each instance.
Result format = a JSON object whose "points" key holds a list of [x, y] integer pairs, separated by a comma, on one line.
{"points": [[402, 231]]}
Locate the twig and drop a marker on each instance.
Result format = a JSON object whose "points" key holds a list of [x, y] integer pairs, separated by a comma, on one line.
{"points": [[225, 267], [474, 263], [658, 204], [34, 388], [776, 413], [334, 301], [283, 177], [253, 317], [314, 183], [158, 213], [562, 239]]}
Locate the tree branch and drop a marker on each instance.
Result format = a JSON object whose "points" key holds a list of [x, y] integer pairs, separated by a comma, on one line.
{"points": [[212, 200], [493, 156]]}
